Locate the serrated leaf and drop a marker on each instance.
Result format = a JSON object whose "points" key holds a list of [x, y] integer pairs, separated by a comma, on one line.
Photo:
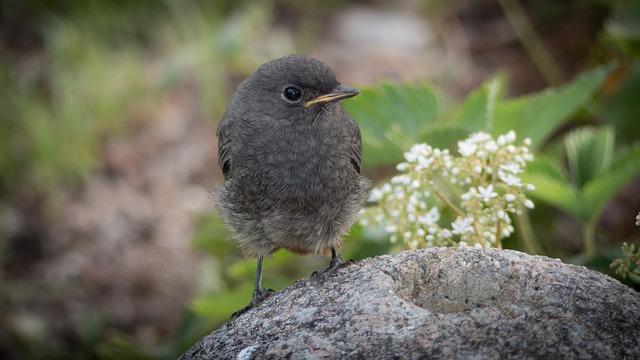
{"points": [[477, 111], [589, 153], [537, 116], [391, 119]]}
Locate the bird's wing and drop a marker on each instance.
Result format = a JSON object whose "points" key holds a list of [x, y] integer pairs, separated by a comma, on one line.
{"points": [[355, 152], [224, 147]]}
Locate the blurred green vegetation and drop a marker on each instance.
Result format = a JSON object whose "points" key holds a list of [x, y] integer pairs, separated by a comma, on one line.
{"points": [[103, 65]]}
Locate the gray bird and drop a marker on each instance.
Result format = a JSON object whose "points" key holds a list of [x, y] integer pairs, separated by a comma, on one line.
{"points": [[291, 159]]}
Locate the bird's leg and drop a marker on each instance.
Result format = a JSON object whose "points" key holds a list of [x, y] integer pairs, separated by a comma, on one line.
{"points": [[336, 260], [336, 263], [259, 294]]}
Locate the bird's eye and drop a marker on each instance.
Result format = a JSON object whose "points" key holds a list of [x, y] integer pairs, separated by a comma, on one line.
{"points": [[292, 93]]}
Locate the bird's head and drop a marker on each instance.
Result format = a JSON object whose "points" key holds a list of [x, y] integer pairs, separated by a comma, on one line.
{"points": [[291, 87]]}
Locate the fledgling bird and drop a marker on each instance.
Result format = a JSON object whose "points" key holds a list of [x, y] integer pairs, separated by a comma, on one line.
{"points": [[291, 159]]}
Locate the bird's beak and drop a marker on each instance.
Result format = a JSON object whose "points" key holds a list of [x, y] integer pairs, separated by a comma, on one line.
{"points": [[338, 93]]}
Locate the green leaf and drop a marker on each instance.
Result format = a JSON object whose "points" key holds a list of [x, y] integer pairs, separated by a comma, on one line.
{"points": [[589, 153], [599, 191], [551, 185], [477, 111], [391, 119], [443, 138], [537, 116]]}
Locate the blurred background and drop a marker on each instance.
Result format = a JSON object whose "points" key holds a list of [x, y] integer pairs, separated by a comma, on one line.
{"points": [[109, 243]]}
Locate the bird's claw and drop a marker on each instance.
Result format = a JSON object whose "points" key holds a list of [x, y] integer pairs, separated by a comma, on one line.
{"points": [[335, 264], [259, 295]]}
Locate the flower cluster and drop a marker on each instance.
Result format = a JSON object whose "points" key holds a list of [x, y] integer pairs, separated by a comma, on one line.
{"points": [[477, 190], [629, 264]]}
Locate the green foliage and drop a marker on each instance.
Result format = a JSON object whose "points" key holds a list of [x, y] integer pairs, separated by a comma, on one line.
{"points": [[539, 115], [629, 264], [394, 117], [593, 176], [107, 66], [623, 28]]}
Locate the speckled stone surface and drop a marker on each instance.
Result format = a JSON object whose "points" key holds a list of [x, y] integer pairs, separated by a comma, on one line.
{"points": [[444, 303]]}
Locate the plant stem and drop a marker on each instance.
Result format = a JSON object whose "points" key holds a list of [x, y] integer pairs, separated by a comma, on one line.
{"points": [[531, 41], [447, 201], [530, 243], [589, 232]]}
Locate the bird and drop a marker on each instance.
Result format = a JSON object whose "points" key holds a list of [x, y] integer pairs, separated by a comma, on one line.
{"points": [[291, 158]]}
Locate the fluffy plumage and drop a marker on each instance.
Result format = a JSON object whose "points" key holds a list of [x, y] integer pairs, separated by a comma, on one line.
{"points": [[291, 168]]}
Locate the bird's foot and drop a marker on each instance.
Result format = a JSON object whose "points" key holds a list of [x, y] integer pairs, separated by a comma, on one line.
{"points": [[335, 264], [259, 295]]}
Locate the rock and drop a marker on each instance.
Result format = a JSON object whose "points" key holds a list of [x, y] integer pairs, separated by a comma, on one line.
{"points": [[445, 303]]}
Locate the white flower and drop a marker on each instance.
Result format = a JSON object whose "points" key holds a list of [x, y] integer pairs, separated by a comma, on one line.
{"points": [[510, 179], [402, 167], [528, 203], [375, 195], [509, 197], [491, 146], [466, 148], [430, 218], [486, 193], [424, 162], [638, 220], [530, 187], [479, 137], [445, 234], [410, 156], [417, 150], [512, 168], [462, 225]]}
